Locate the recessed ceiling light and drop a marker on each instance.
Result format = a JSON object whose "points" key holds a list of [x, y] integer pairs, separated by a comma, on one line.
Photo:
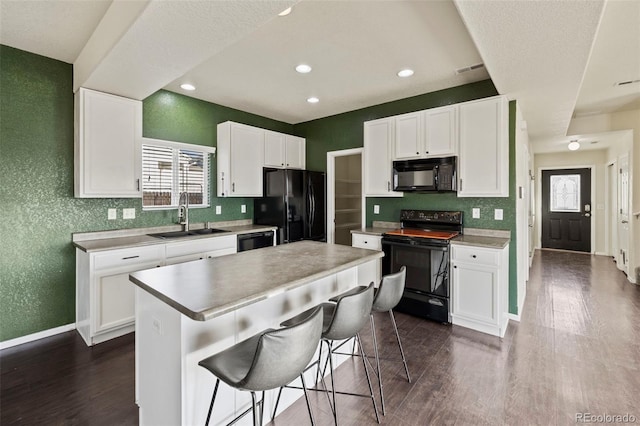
{"points": [[303, 68], [313, 100], [285, 12], [187, 86], [405, 73], [573, 145]]}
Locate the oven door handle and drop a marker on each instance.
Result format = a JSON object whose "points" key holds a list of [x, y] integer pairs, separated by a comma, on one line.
{"points": [[418, 246]]}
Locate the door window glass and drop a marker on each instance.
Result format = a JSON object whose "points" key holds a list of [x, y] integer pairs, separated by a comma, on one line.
{"points": [[565, 193]]}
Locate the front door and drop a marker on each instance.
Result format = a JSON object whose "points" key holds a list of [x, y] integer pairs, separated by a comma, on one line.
{"points": [[566, 209]]}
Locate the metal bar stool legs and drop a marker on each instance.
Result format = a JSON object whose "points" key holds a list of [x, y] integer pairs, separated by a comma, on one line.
{"points": [[395, 329], [377, 356]]}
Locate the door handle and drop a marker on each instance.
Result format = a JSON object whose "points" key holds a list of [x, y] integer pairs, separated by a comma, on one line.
{"points": [[587, 215], [625, 221]]}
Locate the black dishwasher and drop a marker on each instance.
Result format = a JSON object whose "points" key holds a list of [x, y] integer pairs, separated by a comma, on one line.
{"points": [[254, 240]]}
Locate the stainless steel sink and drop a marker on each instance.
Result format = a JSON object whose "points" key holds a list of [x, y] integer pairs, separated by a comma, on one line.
{"points": [[181, 234], [207, 231]]}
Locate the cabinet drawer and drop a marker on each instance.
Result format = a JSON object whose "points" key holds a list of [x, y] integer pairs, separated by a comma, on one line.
{"points": [[475, 255], [124, 257], [202, 245], [371, 242]]}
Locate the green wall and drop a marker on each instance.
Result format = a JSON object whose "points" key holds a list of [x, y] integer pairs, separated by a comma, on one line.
{"points": [[37, 260], [345, 131]]}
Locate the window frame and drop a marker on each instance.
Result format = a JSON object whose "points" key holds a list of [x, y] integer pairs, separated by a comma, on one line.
{"points": [[208, 154]]}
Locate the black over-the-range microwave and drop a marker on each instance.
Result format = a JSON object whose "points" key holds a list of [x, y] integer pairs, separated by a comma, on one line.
{"points": [[425, 175]]}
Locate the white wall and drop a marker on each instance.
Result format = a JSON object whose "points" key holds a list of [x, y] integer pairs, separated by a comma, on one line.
{"points": [[596, 158], [620, 121]]}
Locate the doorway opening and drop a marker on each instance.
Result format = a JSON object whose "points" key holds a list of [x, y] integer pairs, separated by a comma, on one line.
{"points": [[344, 195], [566, 209]]}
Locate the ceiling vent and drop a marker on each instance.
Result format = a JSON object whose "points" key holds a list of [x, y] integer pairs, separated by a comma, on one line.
{"points": [[624, 83], [469, 68]]}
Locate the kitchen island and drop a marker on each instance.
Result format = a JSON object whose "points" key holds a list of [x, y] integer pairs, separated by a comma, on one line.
{"points": [[189, 311]]}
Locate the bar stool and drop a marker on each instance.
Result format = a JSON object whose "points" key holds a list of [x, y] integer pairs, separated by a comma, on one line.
{"points": [[268, 360], [343, 320], [387, 296]]}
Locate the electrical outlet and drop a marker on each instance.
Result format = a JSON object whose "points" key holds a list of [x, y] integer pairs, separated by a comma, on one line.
{"points": [[112, 214], [498, 214], [218, 209], [243, 208], [475, 213], [128, 213], [376, 209]]}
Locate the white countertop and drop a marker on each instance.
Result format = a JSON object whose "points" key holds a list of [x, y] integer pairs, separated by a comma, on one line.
{"points": [[205, 289]]}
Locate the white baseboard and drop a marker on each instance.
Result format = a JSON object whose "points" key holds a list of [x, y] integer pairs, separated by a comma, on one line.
{"points": [[37, 336], [514, 317]]}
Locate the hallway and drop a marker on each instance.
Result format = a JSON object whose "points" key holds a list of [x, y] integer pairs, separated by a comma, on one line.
{"points": [[576, 350]]}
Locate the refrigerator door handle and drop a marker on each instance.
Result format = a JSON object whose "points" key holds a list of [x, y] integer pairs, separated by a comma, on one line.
{"points": [[313, 205]]}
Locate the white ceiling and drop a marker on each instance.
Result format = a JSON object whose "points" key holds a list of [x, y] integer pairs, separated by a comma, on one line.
{"points": [[556, 58]]}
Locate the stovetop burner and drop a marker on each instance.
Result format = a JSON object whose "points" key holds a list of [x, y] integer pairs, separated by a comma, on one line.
{"points": [[428, 224]]}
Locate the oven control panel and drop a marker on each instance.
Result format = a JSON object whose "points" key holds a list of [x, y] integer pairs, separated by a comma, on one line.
{"points": [[453, 217]]}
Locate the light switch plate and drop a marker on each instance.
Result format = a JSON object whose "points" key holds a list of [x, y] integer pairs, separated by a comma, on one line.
{"points": [[475, 213], [498, 214], [218, 209], [112, 214], [128, 213], [243, 208], [376, 209]]}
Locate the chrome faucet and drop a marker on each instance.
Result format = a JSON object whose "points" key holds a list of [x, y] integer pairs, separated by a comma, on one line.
{"points": [[183, 210]]}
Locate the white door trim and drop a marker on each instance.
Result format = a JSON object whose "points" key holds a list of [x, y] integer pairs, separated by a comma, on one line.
{"points": [[610, 194], [331, 188], [594, 211]]}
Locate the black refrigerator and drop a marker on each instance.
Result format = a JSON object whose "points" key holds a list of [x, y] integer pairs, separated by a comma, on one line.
{"points": [[294, 201]]}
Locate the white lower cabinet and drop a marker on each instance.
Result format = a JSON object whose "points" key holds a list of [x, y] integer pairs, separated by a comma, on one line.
{"points": [[184, 251], [105, 303], [480, 288], [370, 242]]}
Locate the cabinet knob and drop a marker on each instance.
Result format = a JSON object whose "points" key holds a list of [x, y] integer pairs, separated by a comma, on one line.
{"points": [[417, 153], [282, 164], [455, 267], [474, 256], [427, 152]]}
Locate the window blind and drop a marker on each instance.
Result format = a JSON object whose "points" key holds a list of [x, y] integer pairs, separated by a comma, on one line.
{"points": [[168, 171]]}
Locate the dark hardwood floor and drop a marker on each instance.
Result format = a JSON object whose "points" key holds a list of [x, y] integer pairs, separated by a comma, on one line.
{"points": [[576, 350]]}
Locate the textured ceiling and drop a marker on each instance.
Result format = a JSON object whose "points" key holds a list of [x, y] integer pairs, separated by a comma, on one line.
{"points": [[615, 58], [536, 52], [355, 49], [56, 29], [557, 58]]}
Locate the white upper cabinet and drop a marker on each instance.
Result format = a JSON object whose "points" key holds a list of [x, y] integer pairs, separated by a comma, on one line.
{"points": [[283, 151], [409, 140], [441, 131], [240, 160], [483, 164], [274, 149], [428, 133], [295, 152], [378, 138], [107, 148]]}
